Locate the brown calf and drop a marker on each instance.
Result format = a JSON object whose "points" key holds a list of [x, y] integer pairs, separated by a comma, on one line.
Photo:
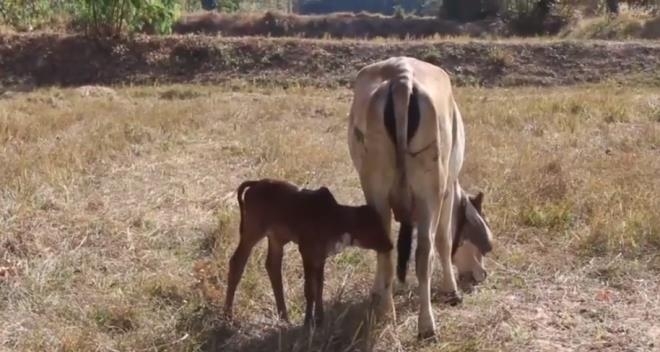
{"points": [[311, 218]]}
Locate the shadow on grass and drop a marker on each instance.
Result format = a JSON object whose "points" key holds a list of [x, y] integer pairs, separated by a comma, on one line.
{"points": [[348, 326]]}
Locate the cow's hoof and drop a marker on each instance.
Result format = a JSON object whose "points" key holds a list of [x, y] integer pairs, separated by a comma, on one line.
{"points": [[452, 298], [467, 288], [427, 335]]}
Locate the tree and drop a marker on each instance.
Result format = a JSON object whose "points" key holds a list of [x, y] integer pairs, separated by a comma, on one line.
{"points": [[376, 6], [612, 6], [469, 10], [544, 6], [209, 5]]}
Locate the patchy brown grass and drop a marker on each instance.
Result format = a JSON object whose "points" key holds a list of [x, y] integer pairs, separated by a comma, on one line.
{"points": [[117, 219], [625, 26]]}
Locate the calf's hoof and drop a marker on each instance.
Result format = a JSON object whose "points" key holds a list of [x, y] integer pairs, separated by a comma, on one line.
{"points": [[318, 322], [383, 307], [313, 323], [285, 318]]}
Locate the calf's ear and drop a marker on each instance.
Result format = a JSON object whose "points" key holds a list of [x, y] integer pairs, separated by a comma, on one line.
{"points": [[477, 200], [325, 193]]}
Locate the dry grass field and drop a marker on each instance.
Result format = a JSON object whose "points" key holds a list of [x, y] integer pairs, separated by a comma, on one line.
{"points": [[117, 219]]}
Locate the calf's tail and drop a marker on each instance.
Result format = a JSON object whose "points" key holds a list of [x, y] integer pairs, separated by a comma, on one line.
{"points": [[240, 192]]}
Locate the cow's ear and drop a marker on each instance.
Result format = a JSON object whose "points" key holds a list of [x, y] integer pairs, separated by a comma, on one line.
{"points": [[477, 200]]}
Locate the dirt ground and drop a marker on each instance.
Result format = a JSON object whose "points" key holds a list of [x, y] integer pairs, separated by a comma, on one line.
{"points": [[59, 60]]}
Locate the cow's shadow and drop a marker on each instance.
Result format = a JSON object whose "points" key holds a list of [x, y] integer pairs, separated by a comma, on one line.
{"points": [[348, 326]]}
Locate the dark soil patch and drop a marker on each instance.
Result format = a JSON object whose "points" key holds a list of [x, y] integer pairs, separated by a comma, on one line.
{"points": [[50, 59]]}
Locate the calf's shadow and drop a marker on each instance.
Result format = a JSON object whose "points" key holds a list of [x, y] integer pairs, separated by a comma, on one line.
{"points": [[347, 326]]}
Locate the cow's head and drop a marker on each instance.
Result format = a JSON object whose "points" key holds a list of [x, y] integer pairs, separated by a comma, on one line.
{"points": [[472, 240]]}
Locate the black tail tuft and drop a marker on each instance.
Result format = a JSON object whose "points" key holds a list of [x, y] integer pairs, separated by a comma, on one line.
{"points": [[413, 115], [404, 246]]}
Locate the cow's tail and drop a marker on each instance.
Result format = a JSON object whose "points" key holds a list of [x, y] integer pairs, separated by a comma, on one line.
{"points": [[239, 194], [404, 246], [399, 96], [401, 120]]}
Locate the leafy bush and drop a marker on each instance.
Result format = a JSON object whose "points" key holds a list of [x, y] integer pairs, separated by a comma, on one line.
{"points": [[114, 17], [229, 5], [536, 17], [156, 16], [31, 14]]}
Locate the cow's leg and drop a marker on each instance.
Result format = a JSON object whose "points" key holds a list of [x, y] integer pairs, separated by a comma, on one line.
{"points": [[385, 273], [376, 176], [426, 229], [274, 268], [443, 241], [382, 288]]}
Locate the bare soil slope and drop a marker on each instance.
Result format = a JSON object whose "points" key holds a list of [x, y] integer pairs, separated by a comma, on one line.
{"points": [[49, 59]]}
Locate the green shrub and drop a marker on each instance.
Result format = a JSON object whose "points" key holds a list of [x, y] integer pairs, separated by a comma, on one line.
{"points": [[536, 17], [114, 17], [156, 16], [28, 14], [229, 5], [97, 17]]}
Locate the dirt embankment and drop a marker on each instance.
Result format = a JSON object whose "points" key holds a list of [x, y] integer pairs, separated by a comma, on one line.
{"points": [[48, 59], [365, 25], [335, 25]]}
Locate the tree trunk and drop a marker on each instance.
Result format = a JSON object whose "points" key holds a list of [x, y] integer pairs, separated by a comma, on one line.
{"points": [[612, 6], [462, 10]]}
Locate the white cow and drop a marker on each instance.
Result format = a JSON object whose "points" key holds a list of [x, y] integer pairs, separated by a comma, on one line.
{"points": [[406, 141]]}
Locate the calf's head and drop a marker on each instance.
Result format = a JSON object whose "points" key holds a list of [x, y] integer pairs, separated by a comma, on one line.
{"points": [[367, 230], [472, 240]]}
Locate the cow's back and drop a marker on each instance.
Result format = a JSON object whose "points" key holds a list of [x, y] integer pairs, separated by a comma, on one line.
{"points": [[367, 131]]}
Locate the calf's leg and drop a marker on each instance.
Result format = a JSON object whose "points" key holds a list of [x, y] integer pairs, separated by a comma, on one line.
{"points": [[274, 268], [318, 302], [236, 268], [309, 290]]}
